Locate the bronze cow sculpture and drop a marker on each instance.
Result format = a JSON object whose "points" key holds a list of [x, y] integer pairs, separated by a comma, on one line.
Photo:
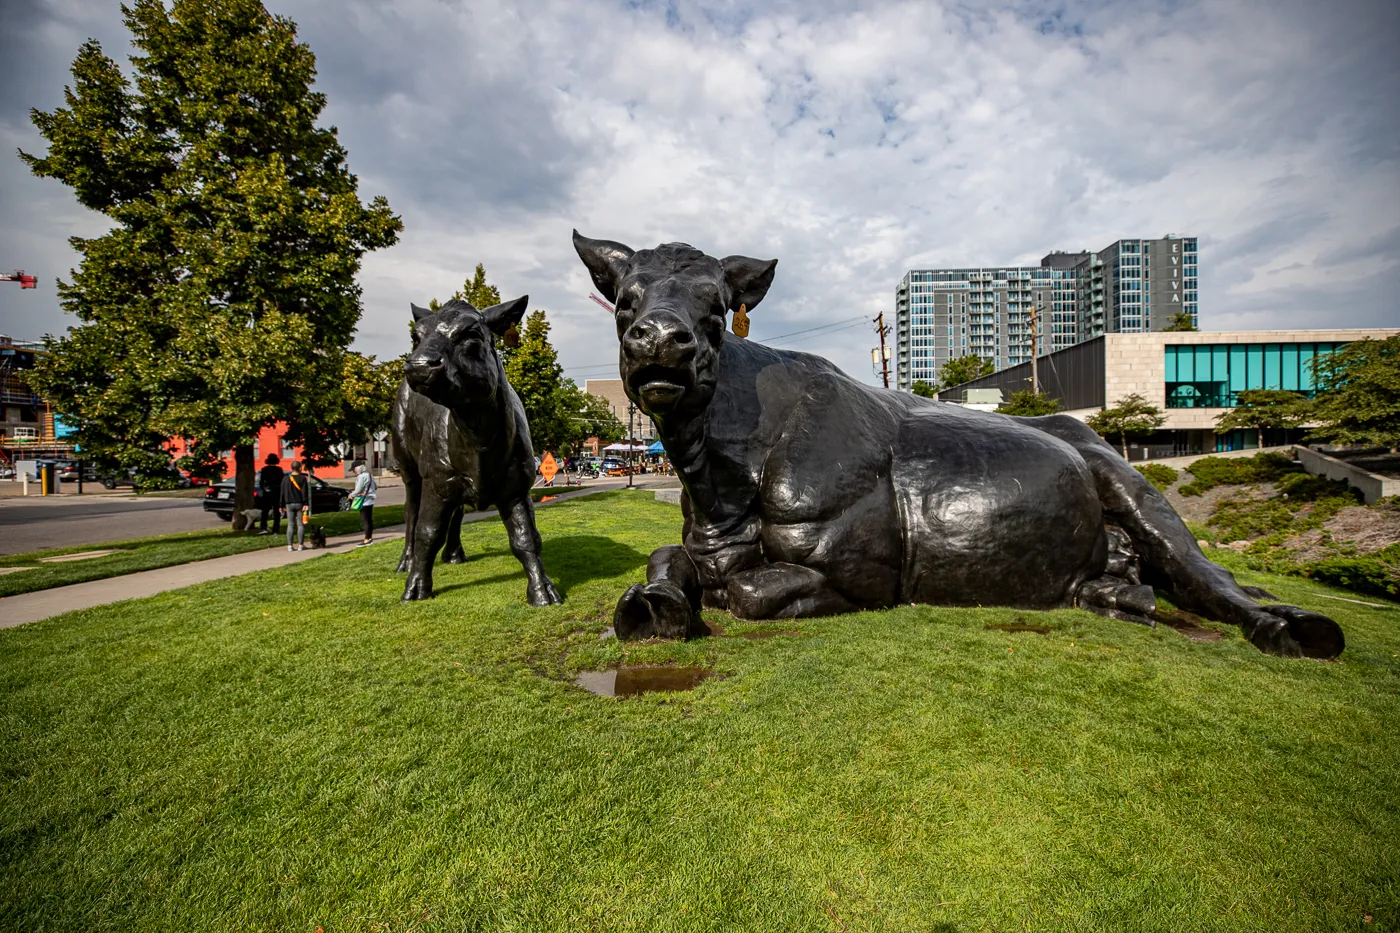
{"points": [[462, 440], [807, 493]]}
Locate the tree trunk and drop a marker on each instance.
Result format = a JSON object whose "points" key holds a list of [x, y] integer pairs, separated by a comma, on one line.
{"points": [[243, 474], [1123, 439]]}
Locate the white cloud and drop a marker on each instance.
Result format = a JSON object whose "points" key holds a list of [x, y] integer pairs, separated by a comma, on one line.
{"points": [[851, 141]]}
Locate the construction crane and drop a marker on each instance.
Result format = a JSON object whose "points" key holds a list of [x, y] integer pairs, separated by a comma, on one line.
{"points": [[25, 281]]}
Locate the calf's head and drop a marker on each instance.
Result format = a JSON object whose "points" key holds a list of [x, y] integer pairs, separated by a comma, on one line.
{"points": [[454, 359], [671, 303]]}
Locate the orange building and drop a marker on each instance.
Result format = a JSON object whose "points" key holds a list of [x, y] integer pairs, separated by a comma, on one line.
{"points": [[269, 441]]}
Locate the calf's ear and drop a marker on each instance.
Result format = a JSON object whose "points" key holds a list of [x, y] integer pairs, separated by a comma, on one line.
{"points": [[606, 261], [502, 317], [748, 279], [419, 313]]}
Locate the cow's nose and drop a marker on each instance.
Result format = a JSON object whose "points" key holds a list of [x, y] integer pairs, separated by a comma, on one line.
{"points": [[660, 339], [422, 368]]}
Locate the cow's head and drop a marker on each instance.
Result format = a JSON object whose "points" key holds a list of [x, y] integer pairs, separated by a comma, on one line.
{"points": [[671, 303], [454, 359]]}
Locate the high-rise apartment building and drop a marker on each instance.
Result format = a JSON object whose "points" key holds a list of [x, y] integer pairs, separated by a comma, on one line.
{"points": [[1131, 286]]}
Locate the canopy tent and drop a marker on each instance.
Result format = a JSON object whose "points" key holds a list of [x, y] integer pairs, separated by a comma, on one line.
{"points": [[626, 448], [656, 448]]}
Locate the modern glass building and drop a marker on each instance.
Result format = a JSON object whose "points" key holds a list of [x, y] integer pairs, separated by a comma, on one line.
{"points": [[1130, 286], [1192, 378]]}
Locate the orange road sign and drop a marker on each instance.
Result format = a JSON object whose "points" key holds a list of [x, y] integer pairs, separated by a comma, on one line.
{"points": [[549, 468]]}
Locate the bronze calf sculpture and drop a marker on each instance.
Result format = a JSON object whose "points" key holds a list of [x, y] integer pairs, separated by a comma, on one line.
{"points": [[462, 440], [808, 493]]}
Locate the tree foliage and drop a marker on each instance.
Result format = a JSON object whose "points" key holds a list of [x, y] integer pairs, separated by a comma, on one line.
{"points": [[1131, 417], [1181, 322], [476, 291], [1359, 393], [224, 297], [1028, 403], [924, 389], [561, 414], [1264, 409], [963, 369]]}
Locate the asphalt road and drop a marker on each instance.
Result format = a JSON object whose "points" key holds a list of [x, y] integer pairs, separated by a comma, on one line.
{"points": [[31, 524]]}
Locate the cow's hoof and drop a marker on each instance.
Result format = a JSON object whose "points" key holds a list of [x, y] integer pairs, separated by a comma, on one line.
{"points": [[1292, 633], [656, 610], [417, 588], [544, 595], [454, 557]]}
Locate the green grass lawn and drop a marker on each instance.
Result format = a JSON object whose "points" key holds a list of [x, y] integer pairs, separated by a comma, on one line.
{"points": [[149, 553], [299, 750]]}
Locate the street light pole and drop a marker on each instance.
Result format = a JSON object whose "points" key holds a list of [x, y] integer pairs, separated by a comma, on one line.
{"points": [[630, 465]]}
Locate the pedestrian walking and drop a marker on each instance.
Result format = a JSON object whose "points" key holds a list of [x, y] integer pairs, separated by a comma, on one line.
{"points": [[362, 499], [270, 494], [296, 502]]}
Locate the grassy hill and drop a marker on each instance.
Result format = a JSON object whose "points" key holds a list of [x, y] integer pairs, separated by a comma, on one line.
{"points": [[298, 750]]}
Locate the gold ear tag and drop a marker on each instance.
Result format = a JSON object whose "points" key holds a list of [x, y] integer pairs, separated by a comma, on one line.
{"points": [[741, 322]]}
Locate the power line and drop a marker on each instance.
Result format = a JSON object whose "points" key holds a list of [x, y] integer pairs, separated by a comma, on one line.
{"points": [[837, 324]]}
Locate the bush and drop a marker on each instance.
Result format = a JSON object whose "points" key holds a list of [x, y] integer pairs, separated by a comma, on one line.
{"points": [[1209, 472], [1158, 474], [1377, 574]]}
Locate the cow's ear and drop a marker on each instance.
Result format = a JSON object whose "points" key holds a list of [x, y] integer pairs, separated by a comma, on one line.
{"points": [[419, 313], [502, 317], [606, 261], [748, 279]]}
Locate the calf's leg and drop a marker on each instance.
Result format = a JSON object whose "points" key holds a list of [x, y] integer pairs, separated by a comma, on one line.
{"points": [[452, 553], [412, 492], [519, 518], [783, 591], [429, 530], [1171, 558]]}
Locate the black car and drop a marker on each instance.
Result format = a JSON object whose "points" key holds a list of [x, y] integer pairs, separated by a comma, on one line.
{"points": [[324, 497]]}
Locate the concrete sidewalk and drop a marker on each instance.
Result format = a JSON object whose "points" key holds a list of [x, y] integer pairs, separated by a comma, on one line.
{"points": [[42, 604]]}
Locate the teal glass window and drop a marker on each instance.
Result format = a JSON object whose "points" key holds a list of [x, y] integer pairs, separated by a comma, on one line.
{"points": [[1213, 375]]}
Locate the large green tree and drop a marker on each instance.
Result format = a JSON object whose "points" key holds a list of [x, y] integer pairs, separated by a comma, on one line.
{"points": [[1133, 416], [1358, 398], [963, 369], [1264, 409], [1027, 403], [224, 297], [561, 415]]}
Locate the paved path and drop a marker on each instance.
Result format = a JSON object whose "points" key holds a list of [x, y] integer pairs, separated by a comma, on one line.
{"points": [[31, 607]]}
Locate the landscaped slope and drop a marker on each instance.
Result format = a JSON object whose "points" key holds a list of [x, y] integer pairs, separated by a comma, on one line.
{"points": [[298, 749]]}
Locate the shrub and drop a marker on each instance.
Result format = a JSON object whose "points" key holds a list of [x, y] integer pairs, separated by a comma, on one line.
{"points": [[1377, 574], [1209, 472], [1158, 474]]}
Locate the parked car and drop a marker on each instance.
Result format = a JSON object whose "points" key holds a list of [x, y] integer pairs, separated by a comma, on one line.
{"points": [[324, 497], [130, 477], [68, 472]]}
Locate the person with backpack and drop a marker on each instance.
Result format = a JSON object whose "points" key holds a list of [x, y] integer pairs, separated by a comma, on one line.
{"points": [[296, 504], [270, 487], [362, 500]]}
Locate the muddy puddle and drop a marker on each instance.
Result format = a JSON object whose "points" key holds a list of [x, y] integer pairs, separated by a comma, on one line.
{"points": [[634, 680], [1018, 627], [1186, 624]]}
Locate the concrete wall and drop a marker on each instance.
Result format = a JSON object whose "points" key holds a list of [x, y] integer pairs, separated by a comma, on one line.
{"points": [[1372, 486]]}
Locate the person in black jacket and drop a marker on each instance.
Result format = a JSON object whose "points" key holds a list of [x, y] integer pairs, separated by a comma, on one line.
{"points": [[296, 502], [270, 495]]}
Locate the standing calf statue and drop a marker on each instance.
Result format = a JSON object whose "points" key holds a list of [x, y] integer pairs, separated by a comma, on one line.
{"points": [[462, 440], [808, 493]]}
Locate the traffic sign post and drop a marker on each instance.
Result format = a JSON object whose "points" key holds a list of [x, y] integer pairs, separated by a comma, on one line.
{"points": [[549, 468]]}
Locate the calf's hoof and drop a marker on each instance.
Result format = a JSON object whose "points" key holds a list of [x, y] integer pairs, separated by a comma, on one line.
{"points": [[543, 595], [656, 610], [1295, 633], [418, 588], [403, 565], [454, 557]]}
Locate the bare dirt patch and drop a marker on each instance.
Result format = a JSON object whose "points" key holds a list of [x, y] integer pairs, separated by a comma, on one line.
{"points": [[1200, 508], [1365, 529]]}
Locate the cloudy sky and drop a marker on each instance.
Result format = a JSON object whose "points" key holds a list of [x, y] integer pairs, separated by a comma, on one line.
{"points": [[851, 140]]}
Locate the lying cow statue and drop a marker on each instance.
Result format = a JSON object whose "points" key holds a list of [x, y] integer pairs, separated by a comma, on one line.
{"points": [[808, 493], [462, 440]]}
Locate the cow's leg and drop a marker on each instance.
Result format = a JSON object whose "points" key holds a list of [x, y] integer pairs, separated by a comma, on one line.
{"points": [[1170, 556], [429, 531], [783, 591], [667, 605], [412, 493], [452, 552], [519, 517]]}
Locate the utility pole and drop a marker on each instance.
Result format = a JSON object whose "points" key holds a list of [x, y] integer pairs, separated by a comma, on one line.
{"points": [[1035, 374], [883, 331], [631, 407]]}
